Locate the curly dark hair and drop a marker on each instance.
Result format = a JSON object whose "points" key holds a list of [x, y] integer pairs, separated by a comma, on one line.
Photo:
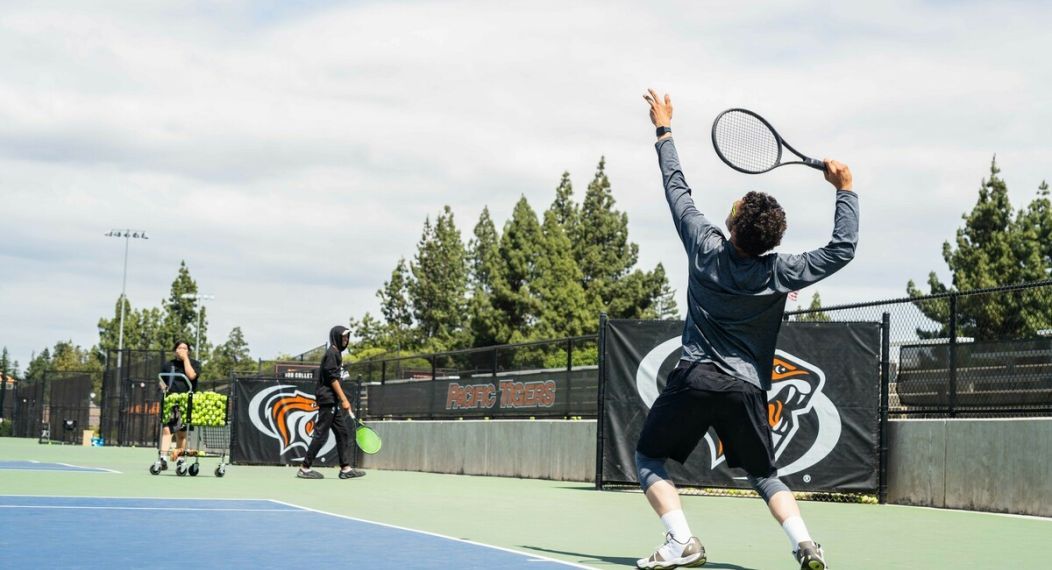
{"points": [[758, 224]]}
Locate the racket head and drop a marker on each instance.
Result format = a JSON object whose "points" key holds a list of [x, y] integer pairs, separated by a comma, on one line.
{"points": [[367, 439], [746, 142]]}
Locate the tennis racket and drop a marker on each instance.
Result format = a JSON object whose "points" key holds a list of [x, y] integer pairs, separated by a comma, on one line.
{"points": [[368, 440], [749, 144]]}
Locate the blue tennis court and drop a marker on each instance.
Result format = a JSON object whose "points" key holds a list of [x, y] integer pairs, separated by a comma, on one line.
{"points": [[17, 465], [56, 532]]}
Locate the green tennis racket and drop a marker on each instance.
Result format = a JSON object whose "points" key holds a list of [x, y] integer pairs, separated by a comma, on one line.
{"points": [[368, 440]]}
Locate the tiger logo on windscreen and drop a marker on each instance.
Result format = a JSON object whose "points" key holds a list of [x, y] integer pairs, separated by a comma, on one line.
{"points": [[796, 391], [287, 415]]}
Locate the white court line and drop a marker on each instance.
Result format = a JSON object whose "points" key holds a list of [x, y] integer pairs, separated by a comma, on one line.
{"points": [[146, 508], [531, 557], [966, 512], [142, 498], [88, 467], [76, 468]]}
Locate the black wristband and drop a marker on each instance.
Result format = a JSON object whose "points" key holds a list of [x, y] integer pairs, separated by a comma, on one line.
{"points": [[662, 131]]}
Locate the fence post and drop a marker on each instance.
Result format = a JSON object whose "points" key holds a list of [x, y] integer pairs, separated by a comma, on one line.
{"points": [[600, 414], [953, 356], [431, 408], [383, 372], [3, 393], [885, 382]]}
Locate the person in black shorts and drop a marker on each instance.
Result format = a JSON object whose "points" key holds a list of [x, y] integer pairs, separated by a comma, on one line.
{"points": [[736, 297], [178, 421], [327, 393]]}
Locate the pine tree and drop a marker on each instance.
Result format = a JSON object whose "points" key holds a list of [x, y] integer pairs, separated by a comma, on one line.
{"points": [[396, 308], [994, 248], [514, 297], [565, 210], [181, 315], [665, 307], [232, 356], [438, 290], [485, 264], [605, 255], [564, 308], [816, 317]]}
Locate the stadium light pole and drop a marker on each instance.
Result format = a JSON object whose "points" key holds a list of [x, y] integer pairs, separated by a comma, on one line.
{"points": [[128, 235], [202, 298]]}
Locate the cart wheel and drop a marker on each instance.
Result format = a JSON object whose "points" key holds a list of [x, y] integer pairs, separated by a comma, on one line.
{"points": [[220, 471], [180, 470], [194, 469], [154, 470]]}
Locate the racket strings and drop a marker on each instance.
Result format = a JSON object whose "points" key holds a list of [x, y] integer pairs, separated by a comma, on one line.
{"points": [[746, 142]]}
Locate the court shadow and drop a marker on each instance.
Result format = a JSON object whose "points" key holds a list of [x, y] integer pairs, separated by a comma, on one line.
{"points": [[625, 561]]}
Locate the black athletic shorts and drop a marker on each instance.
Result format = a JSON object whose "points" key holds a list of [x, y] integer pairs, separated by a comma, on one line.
{"points": [[699, 396]]}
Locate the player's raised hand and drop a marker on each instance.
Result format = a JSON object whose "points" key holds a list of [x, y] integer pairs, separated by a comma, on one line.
{"points": [[838, 174], [660, 109]]}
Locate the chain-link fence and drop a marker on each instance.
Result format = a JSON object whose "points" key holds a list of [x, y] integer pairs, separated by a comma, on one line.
{"points": [[983, 353]]}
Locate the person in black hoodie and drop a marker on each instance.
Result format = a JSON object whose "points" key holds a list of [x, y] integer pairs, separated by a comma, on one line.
{"points": [[328, 394]]}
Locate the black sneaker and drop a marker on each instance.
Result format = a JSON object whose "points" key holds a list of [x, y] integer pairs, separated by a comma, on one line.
{"points": [[312, 474], [351, 474], [810, 556], [164, 464]]}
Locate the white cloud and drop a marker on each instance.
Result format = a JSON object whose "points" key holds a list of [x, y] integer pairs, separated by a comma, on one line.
{"points": [[291, 153]]}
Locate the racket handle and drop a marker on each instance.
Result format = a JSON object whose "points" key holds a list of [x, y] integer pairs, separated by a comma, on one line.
{"points": [[816, 164]]}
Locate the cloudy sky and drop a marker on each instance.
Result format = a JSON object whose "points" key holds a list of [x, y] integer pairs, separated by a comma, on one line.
{"points": [[290, 151]]}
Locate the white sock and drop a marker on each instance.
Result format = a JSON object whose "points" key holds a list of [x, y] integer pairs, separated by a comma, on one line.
{"points": [[676, 524], [796, 530]]}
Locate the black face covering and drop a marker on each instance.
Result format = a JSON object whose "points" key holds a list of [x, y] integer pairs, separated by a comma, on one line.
{"points": [[336, 337]]}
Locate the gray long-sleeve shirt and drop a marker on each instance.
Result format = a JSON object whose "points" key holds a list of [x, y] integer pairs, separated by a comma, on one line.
{"points": [[735, 303]]}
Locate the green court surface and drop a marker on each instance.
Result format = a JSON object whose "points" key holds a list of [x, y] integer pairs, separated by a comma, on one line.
{"points": [[566, 521]]}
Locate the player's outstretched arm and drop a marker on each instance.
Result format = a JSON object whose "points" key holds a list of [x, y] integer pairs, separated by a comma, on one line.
{"points": [[690, 223], [794, 272]]}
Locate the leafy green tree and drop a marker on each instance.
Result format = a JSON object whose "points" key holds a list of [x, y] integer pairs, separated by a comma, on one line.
{"points": [[368, 333], [396, 309], [485, 269], [514, 297], [664, 307], [1037, 218], [5, 362], [994, 248], [601, 244], [567, 213], [816, 317], [143, 330], [232, 356], [438, 290], [564, 309], [607, 257], [38, 366], [69, 357], [183, 315]]}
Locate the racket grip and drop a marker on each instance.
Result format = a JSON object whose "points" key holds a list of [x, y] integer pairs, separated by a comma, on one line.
{"points": [[816, 164]]}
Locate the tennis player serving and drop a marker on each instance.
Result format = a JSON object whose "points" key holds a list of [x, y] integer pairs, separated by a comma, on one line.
{"points": [[736, 298]]}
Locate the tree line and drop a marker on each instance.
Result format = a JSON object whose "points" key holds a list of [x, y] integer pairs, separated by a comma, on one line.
{"points": [[541, 276]]}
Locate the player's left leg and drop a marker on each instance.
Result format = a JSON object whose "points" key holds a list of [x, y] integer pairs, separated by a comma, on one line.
{"points": [[343, 433], [747, 442]]}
